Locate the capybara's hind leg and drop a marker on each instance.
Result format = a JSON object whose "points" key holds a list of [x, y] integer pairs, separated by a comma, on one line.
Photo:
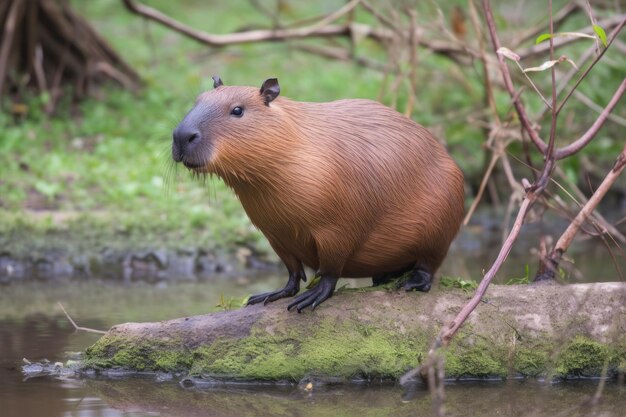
{"points": [[420, 279], [382, 279]]}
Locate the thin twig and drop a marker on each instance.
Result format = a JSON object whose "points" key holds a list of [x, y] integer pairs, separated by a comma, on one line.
{"points": [[381, 17], [451, 328], [566, 238], [508, 83], [581, 142], [412, 73], [481, 190], [595, 61], [543, 47], [560, 16], [347, 8], [320, 29], [597, 108], [549, 154], [77, 327]]}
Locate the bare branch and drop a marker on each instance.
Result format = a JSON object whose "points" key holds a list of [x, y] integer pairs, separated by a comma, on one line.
{"points": [[380, 35], [581, 142], [564, 241], [77, 327], [549, 154], [595, 61], [347, 8], [481, 189], [598, 109], [320, 29], [508, 83], [561, 15], [381, 18], [550, 264], [449, 330]]}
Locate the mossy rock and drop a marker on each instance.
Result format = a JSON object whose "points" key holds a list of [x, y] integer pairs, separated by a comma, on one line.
{"points": [[382, 334]]}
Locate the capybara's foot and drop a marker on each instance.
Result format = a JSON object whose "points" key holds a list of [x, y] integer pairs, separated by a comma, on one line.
{"points": [[316, 295], [268, 297], [420, 280], [291, 289]]}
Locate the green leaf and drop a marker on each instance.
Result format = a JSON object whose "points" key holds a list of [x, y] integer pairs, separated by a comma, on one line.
{"points": [[546, 36], [601, 34], [542, 37]]}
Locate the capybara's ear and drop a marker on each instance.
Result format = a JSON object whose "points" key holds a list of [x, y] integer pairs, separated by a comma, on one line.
{"points": [[270, 90], [217, 81]]}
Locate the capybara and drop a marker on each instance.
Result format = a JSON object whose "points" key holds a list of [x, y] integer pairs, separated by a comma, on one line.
{"points": [[350, 188]]}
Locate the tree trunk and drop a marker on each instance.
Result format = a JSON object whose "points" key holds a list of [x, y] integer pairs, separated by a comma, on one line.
{"points": [[45, 45], [552, 331]]}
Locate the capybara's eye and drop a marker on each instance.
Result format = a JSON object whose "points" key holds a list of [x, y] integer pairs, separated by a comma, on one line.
{"points": [[237, 111]]}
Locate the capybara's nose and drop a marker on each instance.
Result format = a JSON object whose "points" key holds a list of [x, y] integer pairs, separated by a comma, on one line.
{"points": [[185, 137]]}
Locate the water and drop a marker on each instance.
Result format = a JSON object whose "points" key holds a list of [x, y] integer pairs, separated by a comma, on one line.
{"points": [[32, 326]]}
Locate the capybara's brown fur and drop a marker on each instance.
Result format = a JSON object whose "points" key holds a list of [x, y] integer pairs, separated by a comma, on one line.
{"points": [[350, 188]]}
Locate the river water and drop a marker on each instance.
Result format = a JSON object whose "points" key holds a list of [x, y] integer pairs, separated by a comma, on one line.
{"points": [[33, 327]]}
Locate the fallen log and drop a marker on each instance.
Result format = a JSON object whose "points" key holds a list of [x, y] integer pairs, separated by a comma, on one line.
{"points": [[517, 331]]}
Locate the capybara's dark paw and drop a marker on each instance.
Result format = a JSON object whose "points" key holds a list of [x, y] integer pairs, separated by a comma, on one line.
{"points": [[268, 297], [420, 280], [315, 296], [291, 289]]}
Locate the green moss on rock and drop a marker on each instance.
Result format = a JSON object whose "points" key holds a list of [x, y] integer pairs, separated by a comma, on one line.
{"points": [[362, 351], [368, 351], [585, 357], [110, 351], [478, 361], [533, 361]]}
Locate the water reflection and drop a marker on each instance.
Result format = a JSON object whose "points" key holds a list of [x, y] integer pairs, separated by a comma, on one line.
{"points": [[34, 336], [138, 397]]}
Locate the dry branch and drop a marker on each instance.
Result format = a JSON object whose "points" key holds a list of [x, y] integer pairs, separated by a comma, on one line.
{"points": [[581, 142], [321, 29], [77, 327], [251, 36], [550, 264]]}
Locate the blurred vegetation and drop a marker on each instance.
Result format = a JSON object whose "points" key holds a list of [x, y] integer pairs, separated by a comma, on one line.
{"points": [[103, 167]]}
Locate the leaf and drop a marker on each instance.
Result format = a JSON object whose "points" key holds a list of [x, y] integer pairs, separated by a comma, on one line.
{"points": [[549, 64], [601, 34], [546, 36], [506, 52], [542, 37], [546, 65]]}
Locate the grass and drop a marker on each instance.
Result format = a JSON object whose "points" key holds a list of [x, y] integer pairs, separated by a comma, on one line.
{"points": [[107, 171]]}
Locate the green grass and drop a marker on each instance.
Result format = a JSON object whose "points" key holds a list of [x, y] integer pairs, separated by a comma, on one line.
{"points": [[108, 169]]}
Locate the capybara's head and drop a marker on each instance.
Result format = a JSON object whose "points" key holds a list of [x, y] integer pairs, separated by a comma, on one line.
{"points": [[229, 127]]}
